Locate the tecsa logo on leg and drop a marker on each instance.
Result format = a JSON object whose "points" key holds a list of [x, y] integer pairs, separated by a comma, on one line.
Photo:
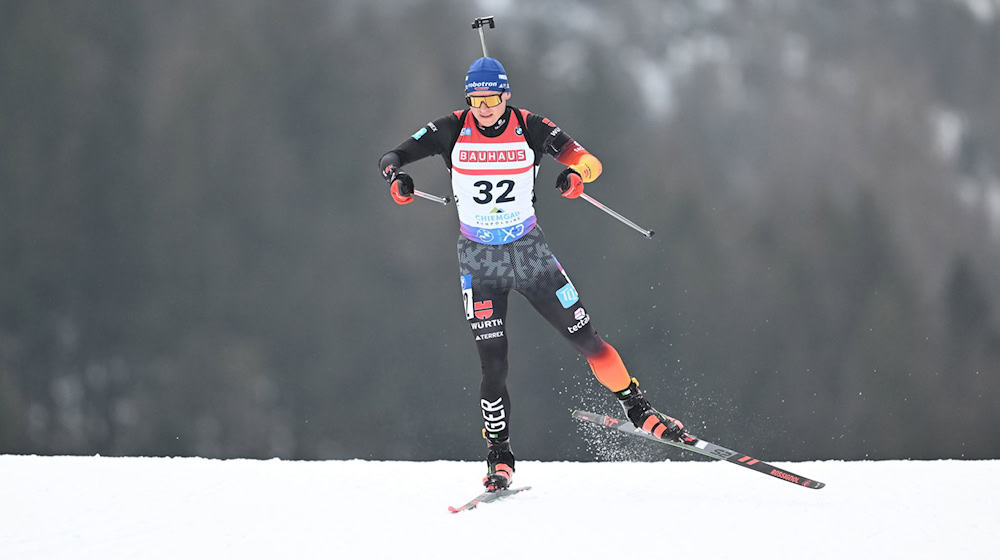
{"points": [[582, 320]]}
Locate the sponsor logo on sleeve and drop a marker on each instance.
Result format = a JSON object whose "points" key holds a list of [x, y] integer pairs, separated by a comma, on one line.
{"points": [[419, 134]]}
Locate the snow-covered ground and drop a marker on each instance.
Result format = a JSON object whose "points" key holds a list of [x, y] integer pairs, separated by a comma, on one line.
{"points": [[94, 507]]}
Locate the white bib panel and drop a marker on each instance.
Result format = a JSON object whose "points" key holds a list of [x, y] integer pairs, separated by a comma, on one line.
{"points": [[493, 180]]}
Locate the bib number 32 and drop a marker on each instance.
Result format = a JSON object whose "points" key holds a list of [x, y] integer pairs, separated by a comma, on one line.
{"points": [[486, 191]]}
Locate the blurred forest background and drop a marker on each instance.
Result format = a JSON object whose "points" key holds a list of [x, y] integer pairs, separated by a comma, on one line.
{"points": [[199, 256]]}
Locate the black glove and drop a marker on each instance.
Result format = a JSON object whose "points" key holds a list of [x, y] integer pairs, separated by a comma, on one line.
{"points": [[570, 183]]}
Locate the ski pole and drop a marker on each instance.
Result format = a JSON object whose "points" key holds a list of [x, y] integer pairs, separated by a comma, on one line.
{"points": [[478, 23], [647, 233], [439, 199]]}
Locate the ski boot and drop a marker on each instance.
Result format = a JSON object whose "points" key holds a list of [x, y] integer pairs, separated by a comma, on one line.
{"points": [[500, 466], [648, 419]]}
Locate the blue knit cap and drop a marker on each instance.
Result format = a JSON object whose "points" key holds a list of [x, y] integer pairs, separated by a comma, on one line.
{"points": [[486, 74]]}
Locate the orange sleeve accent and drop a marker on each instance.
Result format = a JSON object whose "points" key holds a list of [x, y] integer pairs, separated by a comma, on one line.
{"points": [[580, 160], [589, 168], [609, 369]]}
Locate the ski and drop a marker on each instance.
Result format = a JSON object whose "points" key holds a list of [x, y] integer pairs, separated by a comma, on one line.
{"points": [[487, 497], [701, 447]]}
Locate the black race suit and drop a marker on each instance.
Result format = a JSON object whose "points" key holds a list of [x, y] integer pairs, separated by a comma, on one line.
{"points": [[490, 272]]}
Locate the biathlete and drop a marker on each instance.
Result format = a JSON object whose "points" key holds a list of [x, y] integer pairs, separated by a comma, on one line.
{"points": [[493, 151]]}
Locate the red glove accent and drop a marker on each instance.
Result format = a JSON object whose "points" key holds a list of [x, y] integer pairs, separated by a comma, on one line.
{"points": [[575, 186], [400, 199]]}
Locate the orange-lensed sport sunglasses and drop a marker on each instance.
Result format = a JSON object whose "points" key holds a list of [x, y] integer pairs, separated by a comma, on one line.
{"points": [[478, 100]]}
